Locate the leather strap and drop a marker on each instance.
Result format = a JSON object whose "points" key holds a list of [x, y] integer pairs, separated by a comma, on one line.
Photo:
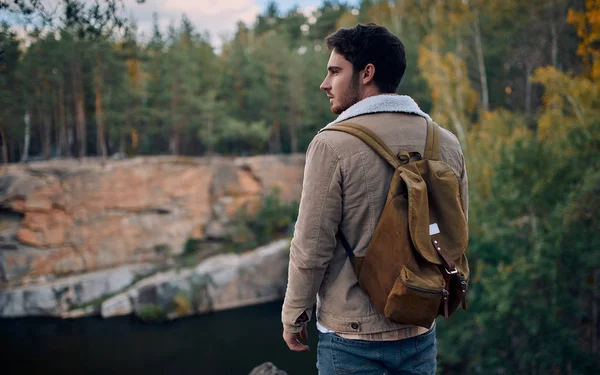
{"points": [[463, 293], [448, 263], [446, 293], [370, 138], [432, 144], [449, 270]]}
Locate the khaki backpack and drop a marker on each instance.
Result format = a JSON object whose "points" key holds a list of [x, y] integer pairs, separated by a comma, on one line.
{"points": [[415, 266]]}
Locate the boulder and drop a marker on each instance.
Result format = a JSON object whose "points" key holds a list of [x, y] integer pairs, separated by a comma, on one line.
{"points": [[267, 369], [220, 282], [70, 296]]}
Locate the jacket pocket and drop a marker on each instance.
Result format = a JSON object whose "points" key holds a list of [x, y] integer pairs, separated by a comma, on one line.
{"points": [[415, 300]]}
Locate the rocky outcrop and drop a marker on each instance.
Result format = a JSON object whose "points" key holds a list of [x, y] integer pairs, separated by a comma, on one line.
{"points": [[70, 296], [267, 369], [220, 282], [72, 217]]}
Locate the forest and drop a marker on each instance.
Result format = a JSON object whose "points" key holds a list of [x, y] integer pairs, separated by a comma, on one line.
{"points": [[518, 82]]}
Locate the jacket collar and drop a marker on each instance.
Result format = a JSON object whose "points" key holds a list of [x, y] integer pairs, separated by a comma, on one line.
{"points": [[382, 103]]}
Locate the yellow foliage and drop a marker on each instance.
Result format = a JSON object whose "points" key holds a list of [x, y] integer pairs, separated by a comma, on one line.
{"points": [[485, 143], [347, 20], [587, 25], [380, 13], [565, 97], [454, 100], [183, 305]]}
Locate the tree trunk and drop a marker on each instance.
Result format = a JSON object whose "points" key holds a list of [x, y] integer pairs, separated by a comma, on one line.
{"points": [[596, 312], [554, 10], [78, 100], [292, 121], [122, 147], [554, 48], [210, 124], [47, 123], [4, 146], [275, 142], [459, 107], [175, 142], [99, 115], [56, 121], [485, 101], [528, 69], [62, 122], [459, 78], [47, 136], [27, 140]]}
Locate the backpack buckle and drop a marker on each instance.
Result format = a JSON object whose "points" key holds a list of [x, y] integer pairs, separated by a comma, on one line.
{"points": [[453, 271]]}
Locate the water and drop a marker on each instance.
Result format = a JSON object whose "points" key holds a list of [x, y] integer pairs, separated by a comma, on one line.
{"points": [[229, 342]]}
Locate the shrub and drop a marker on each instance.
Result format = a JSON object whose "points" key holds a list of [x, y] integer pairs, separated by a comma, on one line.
{"points": [[274, 220]]}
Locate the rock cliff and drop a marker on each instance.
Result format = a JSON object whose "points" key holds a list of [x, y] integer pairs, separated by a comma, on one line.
{"points": [[67, 225]]}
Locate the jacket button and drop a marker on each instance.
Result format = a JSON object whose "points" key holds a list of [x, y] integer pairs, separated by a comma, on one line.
{"points": [[354, 325]]}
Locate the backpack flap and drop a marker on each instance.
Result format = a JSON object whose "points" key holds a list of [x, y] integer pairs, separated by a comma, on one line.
{"points": [[418, 213], [437, 214]]}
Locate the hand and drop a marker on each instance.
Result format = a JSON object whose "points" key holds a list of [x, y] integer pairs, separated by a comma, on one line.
{"points": [[291, 339]]}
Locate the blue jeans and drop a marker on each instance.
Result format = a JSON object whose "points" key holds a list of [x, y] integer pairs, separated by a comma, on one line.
{"points": [[412, 356]]}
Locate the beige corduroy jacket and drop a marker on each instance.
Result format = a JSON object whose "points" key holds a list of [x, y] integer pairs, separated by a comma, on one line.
{"points": [[344, 188]]}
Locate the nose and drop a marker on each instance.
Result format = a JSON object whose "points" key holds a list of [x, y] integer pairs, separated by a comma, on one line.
{"points": [[325, 85]]}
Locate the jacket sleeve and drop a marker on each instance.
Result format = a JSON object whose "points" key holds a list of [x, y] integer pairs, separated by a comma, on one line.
{"points": [[464, 189], [315, 232]]}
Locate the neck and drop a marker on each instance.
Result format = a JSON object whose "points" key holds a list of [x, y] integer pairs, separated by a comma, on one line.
{"points": [[368, 91]]}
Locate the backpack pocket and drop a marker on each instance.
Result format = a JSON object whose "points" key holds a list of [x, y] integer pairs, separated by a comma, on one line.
{"points": [[415, 299]]}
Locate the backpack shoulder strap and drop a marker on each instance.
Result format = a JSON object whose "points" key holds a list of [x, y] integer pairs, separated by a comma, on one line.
{"points": [[432, 145], [370, 138]]}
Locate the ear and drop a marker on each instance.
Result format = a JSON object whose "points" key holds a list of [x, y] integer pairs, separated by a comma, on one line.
{"points": [[367, 75]]}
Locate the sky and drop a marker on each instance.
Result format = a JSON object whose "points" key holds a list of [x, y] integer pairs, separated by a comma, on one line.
{"points": [[218, 17]]}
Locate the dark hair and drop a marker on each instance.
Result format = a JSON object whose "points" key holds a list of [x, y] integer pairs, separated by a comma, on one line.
{"points": [[370, 43]]}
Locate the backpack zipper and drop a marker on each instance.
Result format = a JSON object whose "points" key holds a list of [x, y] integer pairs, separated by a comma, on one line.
{"points": [[445, 294], [430, 291]]}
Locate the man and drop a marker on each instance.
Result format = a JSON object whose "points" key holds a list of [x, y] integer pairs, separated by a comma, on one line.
{"points": [[345, 187]]}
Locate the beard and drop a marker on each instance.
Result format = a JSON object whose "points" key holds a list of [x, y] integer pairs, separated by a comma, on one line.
{"points": [[350, 97]]}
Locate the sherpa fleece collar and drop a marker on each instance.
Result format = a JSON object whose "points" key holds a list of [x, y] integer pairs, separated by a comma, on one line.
{"points": [[382, 103]]}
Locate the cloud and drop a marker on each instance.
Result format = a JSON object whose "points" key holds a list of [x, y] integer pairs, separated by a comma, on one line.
{"points": [[218, 17]]}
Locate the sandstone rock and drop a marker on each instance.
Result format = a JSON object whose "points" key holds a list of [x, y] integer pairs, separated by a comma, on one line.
{"points": [[267, 369], [38, 204], [81, 216], [29, 237], [18, 205], [285, 175]]}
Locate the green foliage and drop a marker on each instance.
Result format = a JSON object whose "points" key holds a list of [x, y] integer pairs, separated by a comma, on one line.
{"points": [[172, 93], [534, 261], [274, 219], [235, 136], [152, 312], [191, 247], [11, 90]]}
